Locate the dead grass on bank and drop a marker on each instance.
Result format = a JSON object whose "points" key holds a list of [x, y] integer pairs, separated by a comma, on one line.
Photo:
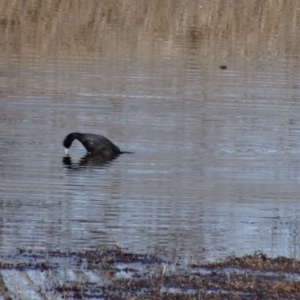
{"points": [[212, 28], [116, 274]]}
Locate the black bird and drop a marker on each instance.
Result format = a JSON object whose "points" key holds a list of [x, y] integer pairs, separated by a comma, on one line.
{"points": [[93, 143]]}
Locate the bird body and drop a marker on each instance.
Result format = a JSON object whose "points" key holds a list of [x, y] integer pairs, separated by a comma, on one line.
{"points": [[93, 143]]}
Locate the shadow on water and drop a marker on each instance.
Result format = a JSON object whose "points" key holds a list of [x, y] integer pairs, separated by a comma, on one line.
{"points": [[89, 160]]}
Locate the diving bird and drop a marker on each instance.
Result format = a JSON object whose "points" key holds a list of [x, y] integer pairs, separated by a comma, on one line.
{"points": [[93, 143]]}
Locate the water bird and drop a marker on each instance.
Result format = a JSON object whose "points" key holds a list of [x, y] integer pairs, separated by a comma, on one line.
{"points": [[94, 144]]}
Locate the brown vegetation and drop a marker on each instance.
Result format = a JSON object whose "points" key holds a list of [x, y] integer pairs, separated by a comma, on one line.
{"points": [[212, 28], [120, 275]]}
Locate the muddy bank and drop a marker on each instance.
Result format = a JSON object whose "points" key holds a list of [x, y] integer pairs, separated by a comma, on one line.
{"points": [[116, 274]]}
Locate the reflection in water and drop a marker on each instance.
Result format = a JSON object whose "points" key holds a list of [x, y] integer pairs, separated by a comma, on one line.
{"points": [[217, 149], [88, 160]]}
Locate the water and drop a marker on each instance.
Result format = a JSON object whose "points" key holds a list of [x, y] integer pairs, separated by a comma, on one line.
{"points": [[215, 166]]}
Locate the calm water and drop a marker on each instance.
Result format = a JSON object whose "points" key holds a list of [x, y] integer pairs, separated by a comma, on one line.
{"points": [[215, 167]]}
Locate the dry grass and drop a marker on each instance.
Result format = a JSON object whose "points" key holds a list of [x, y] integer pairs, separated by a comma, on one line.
{"points": [[260, 261], [121, 275], [212, 28]]}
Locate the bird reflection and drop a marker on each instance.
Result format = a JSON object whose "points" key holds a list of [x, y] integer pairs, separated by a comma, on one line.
{"points": [[88, 160]]}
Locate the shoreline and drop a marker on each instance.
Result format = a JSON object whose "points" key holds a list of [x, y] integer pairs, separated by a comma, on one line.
{"points": [[115, 274]]}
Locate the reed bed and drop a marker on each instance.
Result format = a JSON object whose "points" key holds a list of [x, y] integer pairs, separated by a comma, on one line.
{"points": [[146, 28]]}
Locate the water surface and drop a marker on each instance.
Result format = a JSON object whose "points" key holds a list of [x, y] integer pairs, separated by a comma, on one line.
{"points": [[215, 162]]}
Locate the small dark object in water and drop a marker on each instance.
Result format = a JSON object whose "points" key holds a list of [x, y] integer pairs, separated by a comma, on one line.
{"points": [[223, 67], [93, 143]]}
